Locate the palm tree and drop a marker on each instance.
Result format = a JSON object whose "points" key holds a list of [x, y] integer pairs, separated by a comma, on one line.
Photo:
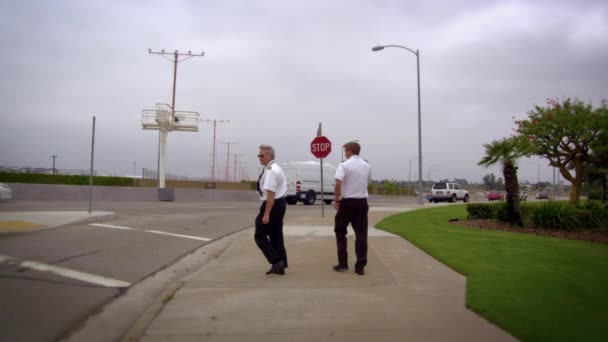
{"points": [[506, 152]]}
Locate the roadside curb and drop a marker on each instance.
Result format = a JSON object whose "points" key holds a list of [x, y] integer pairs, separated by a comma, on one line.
{"points": [[127, 317]]}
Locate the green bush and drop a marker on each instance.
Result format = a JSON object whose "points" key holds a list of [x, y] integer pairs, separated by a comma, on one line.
{"points": [[548, 215], [594, 194], [480, 211], [38, 178], [554, 215], [500, 211], [594, 215]]}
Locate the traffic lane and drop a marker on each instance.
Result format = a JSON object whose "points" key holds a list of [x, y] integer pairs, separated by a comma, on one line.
{"points": [[211, 224], [40, 306], [131, 207], [127, 255]]}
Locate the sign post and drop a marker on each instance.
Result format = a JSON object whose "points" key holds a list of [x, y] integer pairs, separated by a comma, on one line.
{"points": [[320, 147]]}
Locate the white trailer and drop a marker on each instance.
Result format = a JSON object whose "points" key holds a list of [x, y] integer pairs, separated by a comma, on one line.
{"points": [[304, 182]]}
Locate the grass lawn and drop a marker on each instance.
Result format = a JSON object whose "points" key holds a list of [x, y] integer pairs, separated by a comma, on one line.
{"points": [[536, 288]]}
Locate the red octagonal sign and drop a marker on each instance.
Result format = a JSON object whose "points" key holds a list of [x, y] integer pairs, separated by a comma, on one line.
{"points": [[320, 147]]}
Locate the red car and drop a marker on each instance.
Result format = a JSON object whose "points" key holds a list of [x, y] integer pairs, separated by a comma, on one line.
{"points": [[496, 196]]}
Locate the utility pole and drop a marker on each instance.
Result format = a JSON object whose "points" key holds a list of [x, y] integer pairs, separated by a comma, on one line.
{"points": [[538, 177], [163, 131], [235, 155], [240, 170], [228, 155], [54, 157], [215, 122], [244, 172]]}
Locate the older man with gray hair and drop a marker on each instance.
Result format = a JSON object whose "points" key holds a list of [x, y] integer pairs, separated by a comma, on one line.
{"points": [[271, 187]]}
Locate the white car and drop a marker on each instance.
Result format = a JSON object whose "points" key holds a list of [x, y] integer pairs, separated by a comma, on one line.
{"points": [[6, 193], [450, 192]]}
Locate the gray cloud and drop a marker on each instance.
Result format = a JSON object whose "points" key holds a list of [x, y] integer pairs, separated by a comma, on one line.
{"points": [[276, 69]]}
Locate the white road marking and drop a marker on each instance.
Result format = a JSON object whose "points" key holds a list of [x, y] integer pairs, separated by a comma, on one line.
{"points": [[65, 272], [153, 232], [4, 258], [110, 226], [178, 235]]}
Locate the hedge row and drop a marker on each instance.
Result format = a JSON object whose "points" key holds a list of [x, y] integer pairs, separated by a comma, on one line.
{"points": [[550, 214], [38, 178]]}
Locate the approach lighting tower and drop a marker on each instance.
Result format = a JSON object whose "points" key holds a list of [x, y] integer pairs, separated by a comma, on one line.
{"points": [[165, 118]]}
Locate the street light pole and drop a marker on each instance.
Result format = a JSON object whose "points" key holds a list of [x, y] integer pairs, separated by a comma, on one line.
{"points": [[409, 180], [417, 53]]}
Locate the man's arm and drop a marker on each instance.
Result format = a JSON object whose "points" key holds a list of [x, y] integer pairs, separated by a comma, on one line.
{"points": [[337, 193], [269, 205]]}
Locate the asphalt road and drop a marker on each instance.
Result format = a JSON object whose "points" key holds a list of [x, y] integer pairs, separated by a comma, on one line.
{"points": [[42, 306], [38, 305]]}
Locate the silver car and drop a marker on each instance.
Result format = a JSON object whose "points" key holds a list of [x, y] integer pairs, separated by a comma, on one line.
{"points": [[6, 193]]}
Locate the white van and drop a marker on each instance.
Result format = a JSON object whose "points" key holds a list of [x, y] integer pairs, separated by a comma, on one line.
{"points": [[304, 181]]}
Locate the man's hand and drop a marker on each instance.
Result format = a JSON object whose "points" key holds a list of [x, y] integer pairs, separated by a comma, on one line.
{"points": [[269, 205], [337, 193]]}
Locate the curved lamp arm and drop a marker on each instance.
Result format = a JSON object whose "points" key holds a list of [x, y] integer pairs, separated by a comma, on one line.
{"points": [[381, 47]]}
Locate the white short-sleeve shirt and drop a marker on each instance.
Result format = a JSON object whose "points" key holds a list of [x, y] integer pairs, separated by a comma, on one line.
{"points": [[355, 173], [274, 180]]}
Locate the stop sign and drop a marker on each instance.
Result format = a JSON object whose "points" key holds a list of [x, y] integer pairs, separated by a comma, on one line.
{"points": [[320, 147]]}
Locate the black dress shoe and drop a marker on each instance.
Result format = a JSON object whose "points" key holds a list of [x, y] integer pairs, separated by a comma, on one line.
{"points": [[360, 271], [339, 268], [277, 268]]}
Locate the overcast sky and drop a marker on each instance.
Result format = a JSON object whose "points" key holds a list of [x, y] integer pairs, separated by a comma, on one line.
{"points": [[276, 69]]}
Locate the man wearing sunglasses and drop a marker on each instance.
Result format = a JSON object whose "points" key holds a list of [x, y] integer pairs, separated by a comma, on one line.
{"points": [[271, 187]]}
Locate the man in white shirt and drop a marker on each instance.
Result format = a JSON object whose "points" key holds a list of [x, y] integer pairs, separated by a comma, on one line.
{"points": [[271, 187], [352, 177]]}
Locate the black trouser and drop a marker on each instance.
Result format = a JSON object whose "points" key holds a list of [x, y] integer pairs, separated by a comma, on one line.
{"points": [[353, 211], [269, 237]]}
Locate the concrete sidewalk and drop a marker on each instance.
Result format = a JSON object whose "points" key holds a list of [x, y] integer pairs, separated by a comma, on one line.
{"points": [[405, 294], [22, 221]]}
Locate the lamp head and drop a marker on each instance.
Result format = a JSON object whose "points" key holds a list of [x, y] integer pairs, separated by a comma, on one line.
{"points": [[378, 48]]}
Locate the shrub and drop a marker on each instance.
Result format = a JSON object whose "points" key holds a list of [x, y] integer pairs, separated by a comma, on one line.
{"points": [[480, 211], [554, 215], [38, 178], [500, 212], [594, 215], [594, 194]]}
